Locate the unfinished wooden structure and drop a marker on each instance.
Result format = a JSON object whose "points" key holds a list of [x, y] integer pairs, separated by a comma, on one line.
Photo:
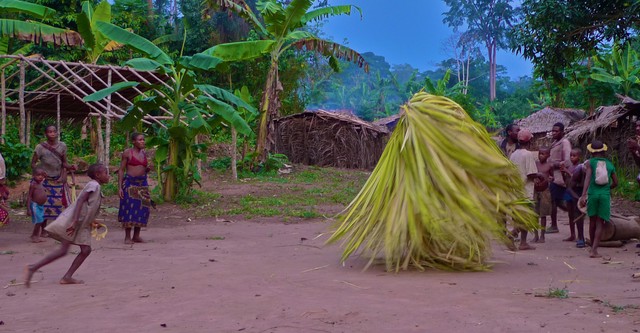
{"points": [[325, 138], [32, 86]]}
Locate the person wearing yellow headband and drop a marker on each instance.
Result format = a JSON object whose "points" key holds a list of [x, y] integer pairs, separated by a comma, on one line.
{"points": [[597, 188]]}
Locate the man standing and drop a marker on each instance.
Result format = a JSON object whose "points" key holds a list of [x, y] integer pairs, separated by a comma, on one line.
{"points": [[560, 159], [525, 160], [510, 143]]}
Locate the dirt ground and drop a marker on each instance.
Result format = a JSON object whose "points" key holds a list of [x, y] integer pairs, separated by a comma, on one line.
{"points": [[229, 274]]}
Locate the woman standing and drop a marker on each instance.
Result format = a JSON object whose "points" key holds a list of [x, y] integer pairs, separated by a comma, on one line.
{"points": [[51, 156], [134, 189]]}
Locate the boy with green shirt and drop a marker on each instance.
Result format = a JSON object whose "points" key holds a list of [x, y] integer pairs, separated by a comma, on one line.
{"points": [[600, 178]]}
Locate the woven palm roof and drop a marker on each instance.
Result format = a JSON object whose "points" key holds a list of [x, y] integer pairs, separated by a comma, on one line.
{"points": [[604, 117], [542, 121], [338, 117]]}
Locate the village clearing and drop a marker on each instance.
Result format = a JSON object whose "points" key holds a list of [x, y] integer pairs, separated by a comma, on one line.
{"points": [[250, 257]]}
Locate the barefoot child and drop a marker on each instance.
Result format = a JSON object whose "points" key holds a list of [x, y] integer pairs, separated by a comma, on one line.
{"points": [[574, 178], [73, 226], [35, 203], [542, 195], [600, 178]]}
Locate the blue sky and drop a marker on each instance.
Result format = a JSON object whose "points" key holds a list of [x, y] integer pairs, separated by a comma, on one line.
{"points": [[405, 32]]}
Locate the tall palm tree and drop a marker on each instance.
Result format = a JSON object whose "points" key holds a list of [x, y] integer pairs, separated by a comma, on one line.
{"points": [[282, 29]]}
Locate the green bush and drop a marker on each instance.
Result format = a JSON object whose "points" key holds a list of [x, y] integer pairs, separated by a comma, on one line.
{"points": [[17, 158]]}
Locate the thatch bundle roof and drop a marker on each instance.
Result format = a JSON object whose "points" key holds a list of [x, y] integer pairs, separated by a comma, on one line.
{"points": [[604, 117], [543, 120], [329, 139], [611, 124], [388, 122]]}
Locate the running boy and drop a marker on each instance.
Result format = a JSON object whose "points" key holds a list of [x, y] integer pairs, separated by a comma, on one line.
{"points": [[35, 203], [574, 178], [542, 195], [600, 178], [73, 226]]}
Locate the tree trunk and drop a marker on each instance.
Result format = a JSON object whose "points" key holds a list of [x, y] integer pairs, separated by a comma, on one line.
{"points": [[492, 70], [234, 153], [169, 187], [268, 111]]}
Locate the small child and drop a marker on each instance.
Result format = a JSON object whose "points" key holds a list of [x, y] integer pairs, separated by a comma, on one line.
{"points": [[542, 195], [600, 178], [35, 203], [73, 226], [574, 178]]}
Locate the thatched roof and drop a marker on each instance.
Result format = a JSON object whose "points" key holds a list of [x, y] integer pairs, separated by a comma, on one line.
{"points": [[543, 120], [329, 139], [389, 122], [604, 117], [337, 116]]}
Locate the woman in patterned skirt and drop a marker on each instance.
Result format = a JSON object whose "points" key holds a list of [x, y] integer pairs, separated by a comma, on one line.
{"points": [[135, 199], [51, 156]]}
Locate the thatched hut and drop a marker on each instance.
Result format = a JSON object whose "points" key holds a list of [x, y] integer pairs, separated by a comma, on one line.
{"points": [[325, 138], [541, 122], [388, 122], [611, 124]]}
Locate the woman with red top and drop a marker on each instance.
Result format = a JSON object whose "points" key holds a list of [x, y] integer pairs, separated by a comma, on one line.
{"points": [[135, 199]]}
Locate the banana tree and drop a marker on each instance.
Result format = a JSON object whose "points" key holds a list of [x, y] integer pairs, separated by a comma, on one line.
{"points": [[35, 32], [193, 108], [620, 69], [282, 30], [95, 43]]}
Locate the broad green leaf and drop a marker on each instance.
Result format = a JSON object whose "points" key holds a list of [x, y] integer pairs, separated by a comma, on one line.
{"points": [[606, 78], [134, 41], [100, 94], [194, 117], [84, 28], [38, 33], [133, 117], [39, 11], [228, 113], [102, 12], [325, 12], [299, 34], [144, 64], [178, 132], [294, 12], [226, 96], [162, 152], [204, 62], [240, 50]]}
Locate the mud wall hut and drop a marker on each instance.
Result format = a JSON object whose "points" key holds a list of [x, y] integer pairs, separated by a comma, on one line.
{"points": [[325, 138], [541, 122], [611, 124]]}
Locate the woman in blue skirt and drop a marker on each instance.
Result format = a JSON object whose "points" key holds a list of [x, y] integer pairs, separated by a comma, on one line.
{"points": [[135, 199]]}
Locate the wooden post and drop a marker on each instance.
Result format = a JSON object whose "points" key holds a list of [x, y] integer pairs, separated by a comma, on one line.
{"points": [[58, 115], [27, 129], [234, 153], [107, 134], [21, 101], [100, 152], [3, 128]]}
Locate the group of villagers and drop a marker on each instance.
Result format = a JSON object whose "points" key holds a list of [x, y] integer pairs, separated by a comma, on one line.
{"points": [[558, 176], [56, 214]]}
